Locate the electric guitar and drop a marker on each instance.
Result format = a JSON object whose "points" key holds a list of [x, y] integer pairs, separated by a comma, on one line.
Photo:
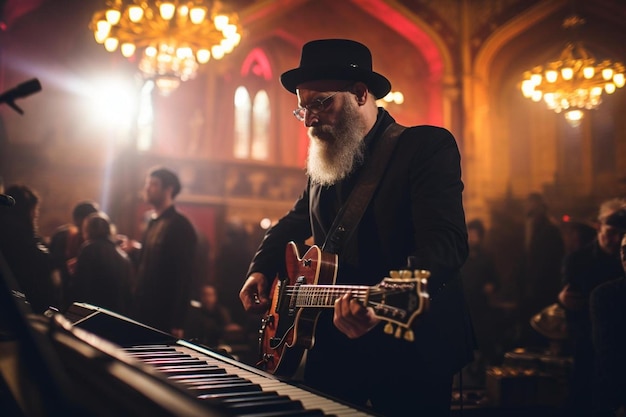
{"points": [[288, 328]]}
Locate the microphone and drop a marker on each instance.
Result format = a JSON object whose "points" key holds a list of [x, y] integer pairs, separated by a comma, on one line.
{"points": [[22, 90], [6, 200]]}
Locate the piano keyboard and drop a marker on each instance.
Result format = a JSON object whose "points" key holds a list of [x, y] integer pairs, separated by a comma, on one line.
{"points": [[233, 387]]}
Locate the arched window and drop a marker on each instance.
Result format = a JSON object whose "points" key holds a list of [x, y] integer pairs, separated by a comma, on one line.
{"points": [[253, 109], [242, 123], [261, 123]]}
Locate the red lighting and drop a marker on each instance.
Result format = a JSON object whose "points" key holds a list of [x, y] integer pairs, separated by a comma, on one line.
{"points": [[257, 63]]}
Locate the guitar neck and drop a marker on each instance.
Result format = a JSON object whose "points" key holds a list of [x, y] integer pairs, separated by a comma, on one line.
{"points": [[325, 295]]}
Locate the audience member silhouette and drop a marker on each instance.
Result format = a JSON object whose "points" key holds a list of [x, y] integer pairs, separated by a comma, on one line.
{"points": [[24, 251], [583, 271], [576, 234], [166, 257], [65, 244], [608, 323], [103, 271], [208, 322], [480, 280], [540, 269]]}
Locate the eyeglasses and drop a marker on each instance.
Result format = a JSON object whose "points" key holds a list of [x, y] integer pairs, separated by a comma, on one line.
{"points": [[315, 107]]}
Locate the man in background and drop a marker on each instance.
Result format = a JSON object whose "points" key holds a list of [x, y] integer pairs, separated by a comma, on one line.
{"points": [[165, 257]]}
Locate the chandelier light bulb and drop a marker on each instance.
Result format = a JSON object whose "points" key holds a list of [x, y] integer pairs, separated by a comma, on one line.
{"points": [[574, 117], [228, 45], [220, 21], [536, 96], [607, 73], [167, 10], [197, 15], [551, 76], [535, 79], [588, 72], [127, 49], [100, 37], [110, 44], [151, 51], [217, 51], [103, 27], [596, 92], [618, 80], [113, 16], [609, 88], [135, 13], [567, 73], [229, 30], [203, 56]]}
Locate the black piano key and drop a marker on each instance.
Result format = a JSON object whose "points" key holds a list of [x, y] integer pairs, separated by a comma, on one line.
{"points": [[217, 397], [215, 389], [232, 379], [263, 406], [178, 362], [189, 369], [159, 355], [150, 348], [183, 379]]}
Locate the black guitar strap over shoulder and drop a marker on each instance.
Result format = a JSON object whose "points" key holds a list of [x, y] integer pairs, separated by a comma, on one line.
{"points": [[352, 211]]}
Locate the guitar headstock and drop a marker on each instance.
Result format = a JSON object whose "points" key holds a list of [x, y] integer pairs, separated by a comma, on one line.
{"points": [[399, 299]]}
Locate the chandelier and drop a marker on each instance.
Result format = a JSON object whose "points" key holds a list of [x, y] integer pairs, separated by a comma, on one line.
{"points": [[574, 82], [169, 38]]}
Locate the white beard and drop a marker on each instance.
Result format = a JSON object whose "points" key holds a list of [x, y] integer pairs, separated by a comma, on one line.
{"points": [[335, 151]]}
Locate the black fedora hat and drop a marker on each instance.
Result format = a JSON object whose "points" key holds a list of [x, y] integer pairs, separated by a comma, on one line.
{"points": [[336, 59]]}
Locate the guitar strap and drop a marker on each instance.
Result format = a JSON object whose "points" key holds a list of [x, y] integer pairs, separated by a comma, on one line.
{"points": [[352, 211]]}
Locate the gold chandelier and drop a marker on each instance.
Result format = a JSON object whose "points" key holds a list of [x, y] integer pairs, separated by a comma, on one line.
{"points": [[172, 38], [574, 82]]}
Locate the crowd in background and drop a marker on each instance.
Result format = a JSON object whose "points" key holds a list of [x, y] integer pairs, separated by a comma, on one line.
{"points": [[572, 266]]}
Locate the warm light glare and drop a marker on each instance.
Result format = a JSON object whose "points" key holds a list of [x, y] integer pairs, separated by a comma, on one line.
{"points": [[588, 72], [113, 103], [607, 73], [609, 88], [618, 79]]}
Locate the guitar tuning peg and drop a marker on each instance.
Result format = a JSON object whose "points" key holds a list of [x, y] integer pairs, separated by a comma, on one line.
{"points": [[404, 273], [398, 334], [409, 336], [389, 328], [422, 273]]}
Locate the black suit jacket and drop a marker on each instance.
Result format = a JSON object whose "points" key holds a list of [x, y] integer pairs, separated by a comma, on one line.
{"points": [[417, 211]]}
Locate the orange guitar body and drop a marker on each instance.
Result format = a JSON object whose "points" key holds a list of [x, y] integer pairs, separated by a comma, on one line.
{"points": [[286, 330]]}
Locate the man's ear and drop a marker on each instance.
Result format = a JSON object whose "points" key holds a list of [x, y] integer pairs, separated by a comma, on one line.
{"points": [[360, 91]]}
